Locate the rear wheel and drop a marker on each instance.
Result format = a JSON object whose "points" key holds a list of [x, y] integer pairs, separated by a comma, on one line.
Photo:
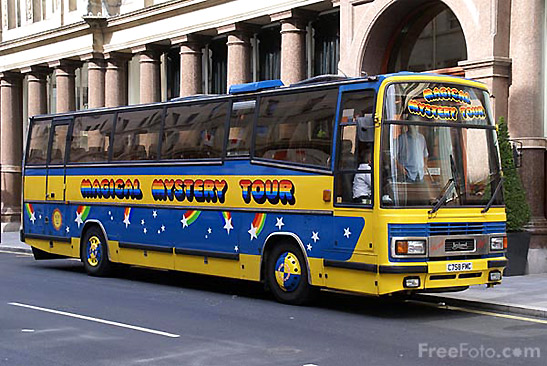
{"points": [[94, 253], [287, 275]]}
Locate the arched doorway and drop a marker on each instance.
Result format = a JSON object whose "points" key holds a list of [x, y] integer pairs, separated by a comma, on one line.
{"points": [[421, 35]]}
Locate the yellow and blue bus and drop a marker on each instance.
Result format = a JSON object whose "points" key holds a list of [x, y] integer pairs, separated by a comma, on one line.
{"points": [[374, 185]]}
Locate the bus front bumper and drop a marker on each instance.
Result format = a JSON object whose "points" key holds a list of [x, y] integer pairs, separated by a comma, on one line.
{"points": [[438, 275]]}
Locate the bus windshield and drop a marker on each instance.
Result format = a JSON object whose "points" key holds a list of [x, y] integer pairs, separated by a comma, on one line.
{"points": [[438, 144]]}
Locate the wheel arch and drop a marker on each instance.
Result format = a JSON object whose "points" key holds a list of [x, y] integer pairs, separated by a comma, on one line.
{"points": [[275, 238]]}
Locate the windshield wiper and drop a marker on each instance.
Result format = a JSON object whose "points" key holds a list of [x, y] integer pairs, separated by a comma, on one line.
{"points": [[491, 201], [446, 189]]}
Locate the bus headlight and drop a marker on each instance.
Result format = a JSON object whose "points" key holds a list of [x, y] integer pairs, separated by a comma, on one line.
{"points": [[498, 243], [410, 247]]}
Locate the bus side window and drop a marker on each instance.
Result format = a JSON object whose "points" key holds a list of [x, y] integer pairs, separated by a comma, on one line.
{"points": [[137, 135], [354, 170], [37, 148], [297, 127], [194, 131], [241, 125], [91, 138]]}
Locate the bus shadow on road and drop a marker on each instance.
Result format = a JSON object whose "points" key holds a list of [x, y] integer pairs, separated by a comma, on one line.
{"points": [[389, 307]]}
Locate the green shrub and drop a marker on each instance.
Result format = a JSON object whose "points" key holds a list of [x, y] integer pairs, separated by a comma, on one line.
{"points": [[516, 206]]}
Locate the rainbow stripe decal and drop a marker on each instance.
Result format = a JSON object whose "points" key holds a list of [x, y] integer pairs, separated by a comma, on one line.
{"points": [[226, 215], [83, 211], [29, 209], [189, 217], [30, 212], [257, 225], [81, 214], [126, 215]]}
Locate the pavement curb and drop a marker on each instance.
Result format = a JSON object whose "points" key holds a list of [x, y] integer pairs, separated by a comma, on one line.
{"points": [[500, 307], [7, 248]]}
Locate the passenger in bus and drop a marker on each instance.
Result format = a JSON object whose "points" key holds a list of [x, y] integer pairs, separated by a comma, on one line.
{"points": [[362, 180], [412, 154]]}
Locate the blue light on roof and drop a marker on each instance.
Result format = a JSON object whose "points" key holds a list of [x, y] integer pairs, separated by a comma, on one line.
{"points": [[252, 87]]}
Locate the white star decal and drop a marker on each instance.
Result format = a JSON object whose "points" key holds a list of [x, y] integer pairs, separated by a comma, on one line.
{"points": [[279, 223], [110, 212], [236, 248], [126, 221], [162, 227], [142, 222], [347, 233], [78, 220], [155, 213], [159, 231], [209, 231], [184, 221], [252, 232], [228, 225], [33, 218], [111, 218], [315, 236], [40, 217], [309, 247], [144, 230], [67, 229]]}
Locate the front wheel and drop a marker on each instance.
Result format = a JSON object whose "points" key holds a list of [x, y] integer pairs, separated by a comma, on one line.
{"points": [[94, 253], [287, 275]]}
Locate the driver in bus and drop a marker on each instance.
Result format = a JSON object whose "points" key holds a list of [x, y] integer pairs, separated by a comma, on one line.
{"points": [[412, 154]]}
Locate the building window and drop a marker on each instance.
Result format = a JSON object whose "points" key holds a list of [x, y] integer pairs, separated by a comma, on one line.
{"points": [[430, 39], [172, 58], [82, 99], [218, 66], [326, 37], [269, 53]]}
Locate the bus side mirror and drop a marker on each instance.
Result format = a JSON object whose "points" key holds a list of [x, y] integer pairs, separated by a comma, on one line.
{"points": [[365, 128]]}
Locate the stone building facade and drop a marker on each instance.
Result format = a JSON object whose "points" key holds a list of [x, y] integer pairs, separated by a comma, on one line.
{"points": [[63, 55]]}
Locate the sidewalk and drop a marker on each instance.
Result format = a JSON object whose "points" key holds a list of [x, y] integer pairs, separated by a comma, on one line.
{"points": [[10, 242], [524, 295]]}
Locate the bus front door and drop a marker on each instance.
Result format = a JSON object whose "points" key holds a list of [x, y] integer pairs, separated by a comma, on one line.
{"points": [[55, 181]]}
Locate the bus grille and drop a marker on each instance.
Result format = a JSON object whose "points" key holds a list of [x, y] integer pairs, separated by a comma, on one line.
{"points": [[446, 229]]}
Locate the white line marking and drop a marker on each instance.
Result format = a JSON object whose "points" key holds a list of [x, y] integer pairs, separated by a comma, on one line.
{"points": [[97, 320]]}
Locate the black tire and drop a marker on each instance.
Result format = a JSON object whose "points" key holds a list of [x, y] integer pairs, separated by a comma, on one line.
{"points": [[287, 275], [94, 253]]}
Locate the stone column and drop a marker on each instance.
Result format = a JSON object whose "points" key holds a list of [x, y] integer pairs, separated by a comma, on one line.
{"points": [[191, 81], [149, 61], [526, 120], [37, 89], [96, 70], [495, 73], [293, 44], [116, 79], [239, 52], [65, 77], [11, 89]]}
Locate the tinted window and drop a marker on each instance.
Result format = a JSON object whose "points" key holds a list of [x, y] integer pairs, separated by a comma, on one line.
{"points": [[58, 144], [136, 135], [39, 137], [241, 125], [195, 131], [297, 127], [91, 138]]}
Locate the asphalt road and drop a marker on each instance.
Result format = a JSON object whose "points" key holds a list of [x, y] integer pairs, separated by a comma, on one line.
{"points": [[51, 313]]}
